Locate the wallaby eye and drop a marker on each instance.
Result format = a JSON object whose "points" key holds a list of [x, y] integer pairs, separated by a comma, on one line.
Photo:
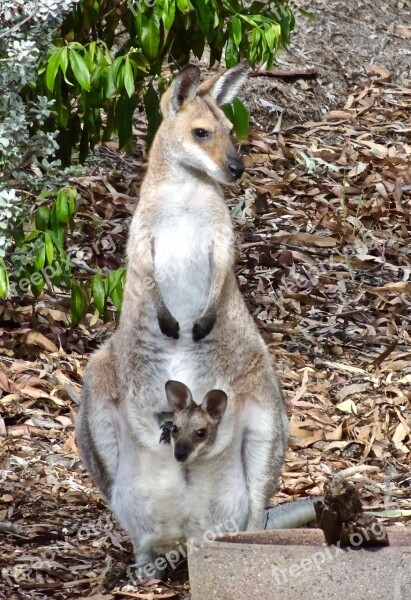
{"points": [[201, 433], [202, 134]]}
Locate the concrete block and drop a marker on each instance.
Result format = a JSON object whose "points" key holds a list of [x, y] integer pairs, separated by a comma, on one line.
{"points": [[297, 565]]}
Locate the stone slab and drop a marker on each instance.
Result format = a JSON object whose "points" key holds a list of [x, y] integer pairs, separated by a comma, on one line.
{"points": [[297, 565]]}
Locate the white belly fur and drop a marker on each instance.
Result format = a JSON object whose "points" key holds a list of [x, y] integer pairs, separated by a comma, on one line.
{"points": [[182, 269]]}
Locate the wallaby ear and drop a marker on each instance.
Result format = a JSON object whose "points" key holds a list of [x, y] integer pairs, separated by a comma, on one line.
{"points": [[226, 87], [178, 395], [182, 89], [215, 403]]}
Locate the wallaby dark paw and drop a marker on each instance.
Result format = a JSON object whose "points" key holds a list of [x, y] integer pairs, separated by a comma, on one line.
{"points": [[203, 327], [169, 326]]}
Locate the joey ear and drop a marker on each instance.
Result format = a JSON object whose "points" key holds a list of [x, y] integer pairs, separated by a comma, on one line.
{"points": [[182, 89], [178, 395], [229, 84], [215, 404]]}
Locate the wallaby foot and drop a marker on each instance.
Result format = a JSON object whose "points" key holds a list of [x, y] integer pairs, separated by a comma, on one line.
{"points": [[143, 571], [168, 325], [204, 325]]}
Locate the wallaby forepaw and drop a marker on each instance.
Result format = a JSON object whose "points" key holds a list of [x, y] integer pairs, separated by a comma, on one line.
{"points": [[203, 327], [169, 326]]}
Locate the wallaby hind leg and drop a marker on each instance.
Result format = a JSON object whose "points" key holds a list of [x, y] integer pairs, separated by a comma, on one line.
{"points": [[96, 429], [107, 452], [131, 510], [264, 445]]}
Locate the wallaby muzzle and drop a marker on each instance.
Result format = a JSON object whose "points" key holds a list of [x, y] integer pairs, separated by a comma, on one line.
{"points": [[235, 167], [181, 451]]}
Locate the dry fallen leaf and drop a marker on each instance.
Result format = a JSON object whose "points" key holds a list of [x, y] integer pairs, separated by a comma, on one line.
{"points": [[348, 406], [35, 338]]}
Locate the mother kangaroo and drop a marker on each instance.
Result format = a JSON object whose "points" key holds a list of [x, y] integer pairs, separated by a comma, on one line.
{"points": [[183, 318]]}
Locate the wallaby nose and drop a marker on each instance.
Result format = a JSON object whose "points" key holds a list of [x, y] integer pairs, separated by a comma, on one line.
{"points": [[181, 452], [236, 168]]}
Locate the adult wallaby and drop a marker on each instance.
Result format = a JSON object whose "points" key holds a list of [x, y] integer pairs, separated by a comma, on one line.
{"points": [[183, 318]]}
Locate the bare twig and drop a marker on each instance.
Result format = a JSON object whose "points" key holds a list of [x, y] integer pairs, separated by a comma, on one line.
{"points": [[287, 75], [17, 26]]}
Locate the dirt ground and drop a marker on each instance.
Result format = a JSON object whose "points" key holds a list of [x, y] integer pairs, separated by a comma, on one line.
{"points": [[323, 227], [343, 44]]}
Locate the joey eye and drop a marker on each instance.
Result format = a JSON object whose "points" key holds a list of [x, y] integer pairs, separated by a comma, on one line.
{"points": [[202, 134], [201, 433], [174, 429]]}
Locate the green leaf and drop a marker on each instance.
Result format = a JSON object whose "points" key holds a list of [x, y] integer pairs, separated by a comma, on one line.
{"points": [[203, 13], [272, 35], [53, 64], [150, 34], [57, 241], [124, 119], [71, 194], [80, 70], [110, 87], [79, 303], [42, 217], [64, 62], [4, 280], [152, 107], [40, 257], [183, 6], [37, 284], [231, 53], [237, 31], [256, 38], [253, 19], [241, 119], [229, 112], [169, 13], [99, 293], [49, 247], [91, 53], [62, 207], [141, 62], [31, 236], [128, 77], [115, 278], [117, 297]]}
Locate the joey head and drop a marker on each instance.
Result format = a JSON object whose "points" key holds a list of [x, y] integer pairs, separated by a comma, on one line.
{"points": [[193, 430]]}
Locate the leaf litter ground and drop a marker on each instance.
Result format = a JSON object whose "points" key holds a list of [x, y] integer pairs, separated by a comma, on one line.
{"points": [[324, 261]]}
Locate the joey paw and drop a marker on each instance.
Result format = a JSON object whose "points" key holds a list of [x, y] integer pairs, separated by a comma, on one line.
{"points": [[165, 436]]}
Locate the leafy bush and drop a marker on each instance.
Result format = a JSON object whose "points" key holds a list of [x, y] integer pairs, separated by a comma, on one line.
{"points": [[26, 33], [32, 241], [39, 260], [94, 66]]}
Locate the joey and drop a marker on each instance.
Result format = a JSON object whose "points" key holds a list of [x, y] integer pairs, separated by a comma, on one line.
{"points": [[194, 427]]}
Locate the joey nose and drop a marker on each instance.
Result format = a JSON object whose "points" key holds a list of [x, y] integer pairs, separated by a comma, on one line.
{"points": [[181, 452], [236, 168]]}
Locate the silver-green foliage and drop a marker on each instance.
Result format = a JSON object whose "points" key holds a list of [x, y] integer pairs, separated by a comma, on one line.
{"points": [[26, 32]]}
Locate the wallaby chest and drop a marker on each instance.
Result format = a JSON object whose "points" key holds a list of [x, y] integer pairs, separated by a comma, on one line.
{"points": [[183, 236]]}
